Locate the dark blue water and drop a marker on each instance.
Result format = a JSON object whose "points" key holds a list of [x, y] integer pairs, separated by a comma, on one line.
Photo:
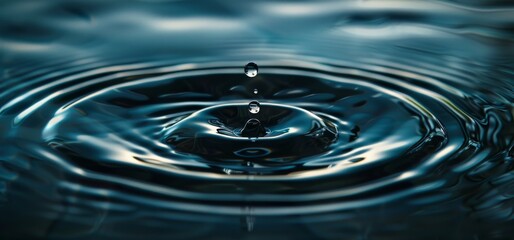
{"points": [[356, 120]]}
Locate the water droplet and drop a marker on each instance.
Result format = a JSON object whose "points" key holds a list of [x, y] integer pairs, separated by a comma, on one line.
{"points": [[251, 69], [254, 107], [255, 91]]}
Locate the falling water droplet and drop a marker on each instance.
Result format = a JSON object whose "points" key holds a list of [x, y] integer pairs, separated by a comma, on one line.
{"points": [[255, 91], [251, 69], [254, 107]]}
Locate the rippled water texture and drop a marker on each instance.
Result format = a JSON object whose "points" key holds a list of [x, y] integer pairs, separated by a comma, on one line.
{"points": [[351, 120]]}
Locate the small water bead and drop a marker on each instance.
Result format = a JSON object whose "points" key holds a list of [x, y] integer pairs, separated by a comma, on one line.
{"points": [[255, 91], [254, 107], [251, 69]]}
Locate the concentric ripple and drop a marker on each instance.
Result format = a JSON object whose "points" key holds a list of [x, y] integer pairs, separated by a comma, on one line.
{"points": [[124, 123], [382, 132], [335, 134]]}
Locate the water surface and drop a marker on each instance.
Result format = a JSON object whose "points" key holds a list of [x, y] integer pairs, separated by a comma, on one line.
{"points": [[262, 120]]}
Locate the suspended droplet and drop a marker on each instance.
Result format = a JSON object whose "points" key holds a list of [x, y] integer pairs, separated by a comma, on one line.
{"points": [[255, 91], [251, 69], [254, 107]]}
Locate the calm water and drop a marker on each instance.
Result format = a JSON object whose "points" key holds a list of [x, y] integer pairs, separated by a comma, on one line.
{"points": [[352, 120]]}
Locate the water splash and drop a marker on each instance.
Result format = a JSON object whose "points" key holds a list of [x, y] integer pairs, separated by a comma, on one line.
{"points": [[253, 129]]}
